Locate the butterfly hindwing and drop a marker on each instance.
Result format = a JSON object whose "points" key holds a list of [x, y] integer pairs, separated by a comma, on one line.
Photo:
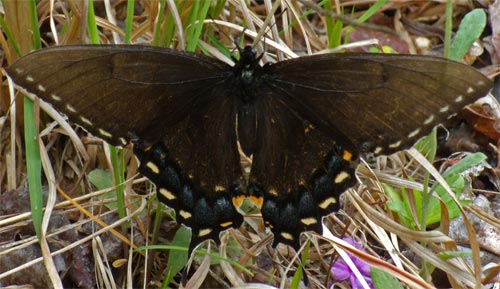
{"points": [[196, 169], [297, 169]]}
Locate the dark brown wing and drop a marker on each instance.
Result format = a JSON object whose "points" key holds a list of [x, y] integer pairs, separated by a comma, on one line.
{"points": [[377, 101], [103, 88], [319, 112], [174, 105]]}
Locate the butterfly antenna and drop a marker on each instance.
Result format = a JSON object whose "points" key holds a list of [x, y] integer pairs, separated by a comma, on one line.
{"points": [[266, 29], [236, 43], [239, 38]]}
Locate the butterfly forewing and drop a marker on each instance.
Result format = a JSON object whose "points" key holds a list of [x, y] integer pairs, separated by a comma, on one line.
{"points": [[384, 102], [113, 91]]}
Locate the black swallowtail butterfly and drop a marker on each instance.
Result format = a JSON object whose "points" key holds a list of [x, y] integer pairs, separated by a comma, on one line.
{"points": [[305, 121]]}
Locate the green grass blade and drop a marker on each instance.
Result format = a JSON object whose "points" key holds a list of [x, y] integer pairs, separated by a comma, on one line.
{"points": [[372, 10], [37, 42], [470, 30], [33, 160], [129, 21], [33, 164], [161, 17], [448, 27], [10, 37], [92, 25]]}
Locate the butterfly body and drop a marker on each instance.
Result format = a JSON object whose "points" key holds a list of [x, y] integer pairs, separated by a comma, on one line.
{"points": [[305, 121]]}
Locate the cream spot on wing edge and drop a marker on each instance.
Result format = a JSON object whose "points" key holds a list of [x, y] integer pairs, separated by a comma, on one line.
{"points": [[86, 121], [30, 78], [226, 224], [287, 236], [153, 167], [341, 177], [184, 214], [326, 203], [414, 133], [41, 88], [470, 90], [459, 99], [444, 109], [308, 221], [55, 97], [395, 145], [105, 133], [204, 232], [452, 116], [167, 194], [377, 150], [70, 108], [429, 120]]}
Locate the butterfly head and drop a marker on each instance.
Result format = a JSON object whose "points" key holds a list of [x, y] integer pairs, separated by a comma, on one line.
{"points": [[247, 65]]}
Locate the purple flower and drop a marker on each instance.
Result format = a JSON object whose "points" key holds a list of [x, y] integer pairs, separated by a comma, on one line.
{"points": [[341, 270]]}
